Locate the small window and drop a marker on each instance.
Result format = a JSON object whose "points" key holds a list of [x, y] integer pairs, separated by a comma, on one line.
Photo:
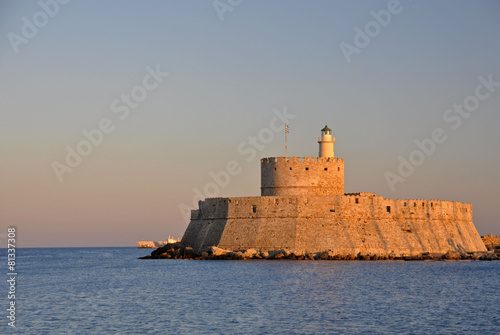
{"points": [[432, 205], [274, 169], [307, 169], [388, 209], [237, 202], [357, 200], [414, 204], [290, 168], [326, 169], [404, 203], [423, 204], [254, 208], [277, 201], [339, 169]]}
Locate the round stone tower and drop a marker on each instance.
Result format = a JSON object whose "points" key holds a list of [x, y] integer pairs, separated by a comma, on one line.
{"points": [[309, 176]]}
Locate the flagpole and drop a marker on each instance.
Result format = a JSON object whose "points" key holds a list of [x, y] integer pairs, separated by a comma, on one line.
{"points": [[286, 140]]}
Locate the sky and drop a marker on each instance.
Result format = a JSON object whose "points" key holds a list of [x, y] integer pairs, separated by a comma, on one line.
{"points": [[117, 116]]}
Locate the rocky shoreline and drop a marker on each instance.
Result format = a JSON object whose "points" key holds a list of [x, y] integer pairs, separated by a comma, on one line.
{"points": [[179, 251]]}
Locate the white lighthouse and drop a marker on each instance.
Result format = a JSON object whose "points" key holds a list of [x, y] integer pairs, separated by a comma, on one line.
{"points": [[326, 142]]}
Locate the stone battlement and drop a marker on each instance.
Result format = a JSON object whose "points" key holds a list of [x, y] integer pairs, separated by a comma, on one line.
{"points": [[323, 206], [300, 159], [361, 194]]}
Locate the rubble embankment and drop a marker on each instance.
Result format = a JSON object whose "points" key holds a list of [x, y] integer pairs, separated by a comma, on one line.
{"points": [[179, 251]]}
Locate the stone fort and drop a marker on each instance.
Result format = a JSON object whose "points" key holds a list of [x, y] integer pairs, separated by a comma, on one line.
{"points": [[303, 207]]}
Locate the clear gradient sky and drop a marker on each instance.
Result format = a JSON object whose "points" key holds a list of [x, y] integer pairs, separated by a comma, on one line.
{"points": [[225, 79]]}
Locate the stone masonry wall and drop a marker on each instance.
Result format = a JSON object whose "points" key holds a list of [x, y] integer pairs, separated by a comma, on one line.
{"points": [[359, 222], [300, 176], [372, 224]]}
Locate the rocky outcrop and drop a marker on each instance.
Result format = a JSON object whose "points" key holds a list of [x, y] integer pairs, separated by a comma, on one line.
{"points": [[180, 251]]}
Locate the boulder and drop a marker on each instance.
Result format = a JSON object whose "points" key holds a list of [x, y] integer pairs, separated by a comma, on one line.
{"points": [[189, 253], [287, 253], [364, 257], [451, 255], [237, 255], [250, 253], [216, 251], [276, 254], [323, 255]]}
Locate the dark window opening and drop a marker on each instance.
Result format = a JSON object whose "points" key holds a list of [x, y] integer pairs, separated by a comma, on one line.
{"points": [[357, 200], [290, 168], [307, 169], [274, 169], [414, 204], [404, 204], [254, 208], [388, 209], [432, 205], [326, 169], [423, 204], [339, 169]]}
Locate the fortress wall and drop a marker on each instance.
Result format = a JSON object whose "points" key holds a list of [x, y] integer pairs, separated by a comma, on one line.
{"points": [[345, 224], [231, 223], [207, 224], [261, 233], [202, 233], [385, 236], [271, 226], [243, 207], [367, 226], [298, 176]]}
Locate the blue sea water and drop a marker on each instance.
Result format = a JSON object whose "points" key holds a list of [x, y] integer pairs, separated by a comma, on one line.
{"points": [[110, 291]]}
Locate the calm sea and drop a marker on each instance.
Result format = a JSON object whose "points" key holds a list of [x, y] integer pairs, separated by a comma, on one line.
{"points": [[110, 291]]}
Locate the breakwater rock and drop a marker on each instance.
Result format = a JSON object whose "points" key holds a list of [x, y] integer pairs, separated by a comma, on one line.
{"points": [[180, 251]]}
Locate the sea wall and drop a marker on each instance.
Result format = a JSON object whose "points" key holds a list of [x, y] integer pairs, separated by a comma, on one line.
{"points": [[346, 224]]}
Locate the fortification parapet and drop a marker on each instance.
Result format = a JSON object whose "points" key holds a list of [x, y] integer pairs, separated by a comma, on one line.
{"points": [[302, 176]]}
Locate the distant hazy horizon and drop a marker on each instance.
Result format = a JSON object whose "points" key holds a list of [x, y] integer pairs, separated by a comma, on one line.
{"points": [[117, 116]]}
